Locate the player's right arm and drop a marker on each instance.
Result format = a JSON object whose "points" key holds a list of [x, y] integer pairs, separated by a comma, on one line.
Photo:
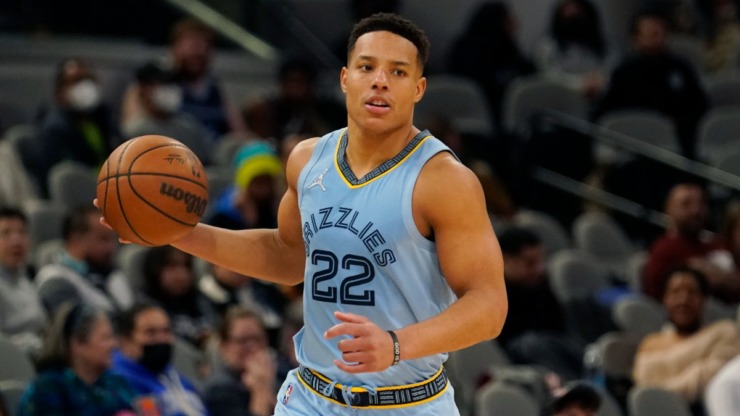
{"points": [[276, 255]]}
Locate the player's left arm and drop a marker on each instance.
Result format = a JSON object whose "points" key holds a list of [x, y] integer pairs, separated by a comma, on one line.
{"points": [[449, 199], [448, 204]]}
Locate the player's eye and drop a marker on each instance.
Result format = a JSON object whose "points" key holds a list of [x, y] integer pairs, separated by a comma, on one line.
{"points": [[365, 67]]}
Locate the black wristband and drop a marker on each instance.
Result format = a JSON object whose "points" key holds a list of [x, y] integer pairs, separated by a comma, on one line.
{"points": [[396, 348]]}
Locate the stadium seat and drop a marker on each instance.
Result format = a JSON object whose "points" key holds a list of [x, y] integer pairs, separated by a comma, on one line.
{"points": [[72, 184], [458, 98], [553, 236], [496, 399], [526, 97], [574, 274], [653, 401]]}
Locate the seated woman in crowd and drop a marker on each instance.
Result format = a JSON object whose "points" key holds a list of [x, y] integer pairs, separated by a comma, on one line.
{"points": [[74, 377], [171, 282]]}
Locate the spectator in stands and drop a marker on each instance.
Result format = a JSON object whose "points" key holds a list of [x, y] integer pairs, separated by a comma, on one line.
{"points": [[78, 127], [85, 270], [653, 78], [722, 33], [22, 318], [685, 242], [297, 108], [574, 399], [535, 330], [574, 53], [161, 98], [17, 186], [226, 288], [730, 233], [170, 280], [243, 382], [487, 52], [191, 53], [684, 357], [75, 376], [144, 359], [253, 199]]}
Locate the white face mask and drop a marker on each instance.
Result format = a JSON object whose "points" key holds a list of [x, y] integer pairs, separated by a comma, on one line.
{"points": [[167, 98], [84, 95]]}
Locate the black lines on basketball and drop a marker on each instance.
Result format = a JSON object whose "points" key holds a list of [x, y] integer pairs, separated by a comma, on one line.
{"points": [[161, 190]]}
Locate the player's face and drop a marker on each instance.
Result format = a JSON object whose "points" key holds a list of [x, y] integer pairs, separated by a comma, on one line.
{"points": [[14, 243], [382, 82]]}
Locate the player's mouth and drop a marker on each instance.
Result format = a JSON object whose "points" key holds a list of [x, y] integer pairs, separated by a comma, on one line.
{"points": [[377, 105]]}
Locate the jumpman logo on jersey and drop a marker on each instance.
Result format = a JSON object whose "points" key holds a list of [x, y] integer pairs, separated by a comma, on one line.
{"points": [[319, 181]]}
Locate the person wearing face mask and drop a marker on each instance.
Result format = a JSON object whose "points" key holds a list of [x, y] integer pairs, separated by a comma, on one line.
{"points": [[78, 126], [144, 358], [161, 100], [190, 55]]}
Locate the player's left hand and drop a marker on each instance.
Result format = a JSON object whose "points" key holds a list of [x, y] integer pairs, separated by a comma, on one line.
{"points": [[370, 348]]}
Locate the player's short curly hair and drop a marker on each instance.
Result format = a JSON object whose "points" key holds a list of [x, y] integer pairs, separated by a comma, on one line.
{"points": [[395, 24]]}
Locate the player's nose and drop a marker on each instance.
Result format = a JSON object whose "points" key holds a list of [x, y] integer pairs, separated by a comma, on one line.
{"points": [[380, 80]]}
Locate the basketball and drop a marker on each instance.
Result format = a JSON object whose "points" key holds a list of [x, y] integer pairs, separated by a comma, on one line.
{"points": [[152, 190]]}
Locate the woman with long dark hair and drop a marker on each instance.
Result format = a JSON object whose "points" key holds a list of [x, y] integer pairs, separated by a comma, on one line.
{"points": [[574, 52], [487, 52], [171, 281]]}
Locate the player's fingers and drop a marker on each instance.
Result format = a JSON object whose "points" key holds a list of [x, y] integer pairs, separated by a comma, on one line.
{"points": [[352, 344], [350, 317], [105, 223], [352, 368], [354, 357], [95, 202], [353, 330]]}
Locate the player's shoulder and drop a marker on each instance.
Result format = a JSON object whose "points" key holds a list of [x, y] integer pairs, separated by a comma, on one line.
{"points": [[304, 148], [445, 169], [299, 157]]}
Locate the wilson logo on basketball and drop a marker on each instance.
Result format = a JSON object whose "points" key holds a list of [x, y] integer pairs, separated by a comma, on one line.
{"points": [[193, 203]]}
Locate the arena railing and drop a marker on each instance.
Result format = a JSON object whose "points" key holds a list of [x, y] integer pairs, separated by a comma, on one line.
{"points": [[227, 28], [634, 146]]}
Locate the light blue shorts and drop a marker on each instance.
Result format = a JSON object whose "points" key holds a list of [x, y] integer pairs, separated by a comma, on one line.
{"points": [[295, 399]]}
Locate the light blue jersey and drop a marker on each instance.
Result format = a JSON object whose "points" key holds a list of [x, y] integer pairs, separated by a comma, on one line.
{"points": [[365, 255]]}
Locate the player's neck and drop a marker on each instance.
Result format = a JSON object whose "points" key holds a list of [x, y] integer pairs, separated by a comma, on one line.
{"points": [[366, 151]]}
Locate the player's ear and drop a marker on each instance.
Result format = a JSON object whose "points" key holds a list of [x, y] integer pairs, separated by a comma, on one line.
{"points": [[343, 79], [421, 86]]}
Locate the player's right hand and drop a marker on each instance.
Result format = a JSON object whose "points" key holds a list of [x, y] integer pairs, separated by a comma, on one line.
{"points": [[105, 223]]}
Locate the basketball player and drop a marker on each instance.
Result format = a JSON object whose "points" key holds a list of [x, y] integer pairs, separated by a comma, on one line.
{"points": [[389, 232]]}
